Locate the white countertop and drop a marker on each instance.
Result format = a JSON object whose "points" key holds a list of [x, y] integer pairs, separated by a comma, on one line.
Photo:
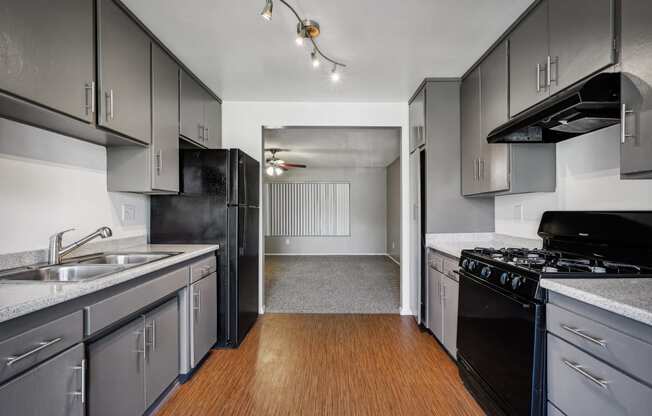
{"points": [[453, 243], [631, 298], [21, 298]]}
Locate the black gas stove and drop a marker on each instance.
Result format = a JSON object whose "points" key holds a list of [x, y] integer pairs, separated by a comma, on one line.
{"points": [[501, 324]]}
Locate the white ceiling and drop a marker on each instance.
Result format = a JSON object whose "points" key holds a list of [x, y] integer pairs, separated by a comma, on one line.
{"points": [[335, 147], [389, 45]]}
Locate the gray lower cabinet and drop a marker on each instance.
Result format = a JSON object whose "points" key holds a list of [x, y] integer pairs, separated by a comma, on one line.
{"points": [[450, 298], [204, 317], [434, 305], [53, 388], [636, 95], [581, 40], [117, 372], [162, 363], [528, 49], [124, 74], [153, 169], [48, 54], [131, 367]]}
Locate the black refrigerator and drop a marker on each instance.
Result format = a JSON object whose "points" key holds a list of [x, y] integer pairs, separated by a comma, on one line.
{"points": [[218, 203]]}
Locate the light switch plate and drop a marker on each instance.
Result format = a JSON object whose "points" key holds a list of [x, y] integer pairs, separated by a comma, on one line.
{"points": [[518, 212], [128, 214]]}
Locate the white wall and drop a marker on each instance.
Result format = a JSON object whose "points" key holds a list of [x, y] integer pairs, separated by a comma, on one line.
{"points": [[50, 183], [367, 207], [242, 128], [588, 178]]}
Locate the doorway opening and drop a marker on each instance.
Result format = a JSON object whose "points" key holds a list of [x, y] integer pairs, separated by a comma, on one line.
{"points": [[331, 207]]}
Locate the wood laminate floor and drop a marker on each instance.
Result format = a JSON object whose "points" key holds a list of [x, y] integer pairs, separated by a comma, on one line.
{"points": [[327, 365]]}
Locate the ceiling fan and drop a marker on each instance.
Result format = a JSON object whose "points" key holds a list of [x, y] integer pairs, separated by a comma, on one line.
{"points": [[276, 166]]}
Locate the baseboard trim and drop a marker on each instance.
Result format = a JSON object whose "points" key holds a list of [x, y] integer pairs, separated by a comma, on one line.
{"points": [[407, 312], [393, 259], [325, 254]]}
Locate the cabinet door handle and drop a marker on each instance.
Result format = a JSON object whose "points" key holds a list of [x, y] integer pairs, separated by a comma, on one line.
{"points": [[538, 77], [623, 123], [197, 301], [41, 346], [548, 77], [153, 335], [582, 335], [159, 161], [208, 135], [201, 132], [109, 105], [90, 88], [143, 334], [82, 391], [580, 370], [481, 170]]}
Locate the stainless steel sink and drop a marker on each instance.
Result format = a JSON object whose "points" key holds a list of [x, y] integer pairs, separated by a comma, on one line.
{"points": [[131, 259], [63, 273]]}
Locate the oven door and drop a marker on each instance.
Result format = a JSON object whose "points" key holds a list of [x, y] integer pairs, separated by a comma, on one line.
{"points": [[499, 338]]}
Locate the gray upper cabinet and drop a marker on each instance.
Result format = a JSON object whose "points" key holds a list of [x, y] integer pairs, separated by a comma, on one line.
{"points": [[201, 114], [191, 109], [116, 372], [54, 388], [124, 73], [153, 169], [165, 122], [636, 95], [417, 120], [47, 54], [581, 40], [494, 103], [213, 119], [204, 317], [162, 365], [528, 46], [471, 132]]}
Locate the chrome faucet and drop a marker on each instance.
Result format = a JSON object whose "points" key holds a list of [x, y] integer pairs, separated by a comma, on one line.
{"points": [[57, 251]]}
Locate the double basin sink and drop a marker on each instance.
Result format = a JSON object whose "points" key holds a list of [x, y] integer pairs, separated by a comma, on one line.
{"points": [[84, 268]]}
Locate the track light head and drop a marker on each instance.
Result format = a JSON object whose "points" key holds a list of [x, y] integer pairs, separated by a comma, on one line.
{"points": [[335, 76], [314, 59], [267, 10]]}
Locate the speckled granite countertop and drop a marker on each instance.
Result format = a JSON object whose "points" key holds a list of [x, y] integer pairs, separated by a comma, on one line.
{"points": [[453, 243], [21, 298], [631, 298]]}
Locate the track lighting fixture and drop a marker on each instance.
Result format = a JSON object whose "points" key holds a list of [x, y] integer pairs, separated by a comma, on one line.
{"points": [[306, 30], [267, 10]]}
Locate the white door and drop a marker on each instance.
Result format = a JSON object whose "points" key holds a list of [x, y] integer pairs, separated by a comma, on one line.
{"points": [[415, 236]]}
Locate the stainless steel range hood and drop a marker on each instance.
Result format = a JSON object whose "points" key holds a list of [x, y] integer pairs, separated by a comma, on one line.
{"points": [[582, 108]]}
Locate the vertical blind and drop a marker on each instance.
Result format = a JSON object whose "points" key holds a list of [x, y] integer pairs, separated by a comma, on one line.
{"points": [[308, 209]]}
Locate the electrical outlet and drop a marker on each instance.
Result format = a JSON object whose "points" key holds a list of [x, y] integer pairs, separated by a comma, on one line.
{"points": [[393, 245], [128, 214], [518, 212], [287, 241]]}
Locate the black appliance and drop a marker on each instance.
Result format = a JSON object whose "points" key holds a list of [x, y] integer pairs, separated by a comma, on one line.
{"points": [[585, 107], [218, 203], [501, 323]]}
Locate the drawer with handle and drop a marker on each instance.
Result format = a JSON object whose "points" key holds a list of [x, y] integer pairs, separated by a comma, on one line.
{"points": [[579, 384], [619, 350], [108, 311], [202, 268], [31, 347]]}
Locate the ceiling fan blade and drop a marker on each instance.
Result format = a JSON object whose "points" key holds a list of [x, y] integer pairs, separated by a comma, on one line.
{"points": [[293, 165]]}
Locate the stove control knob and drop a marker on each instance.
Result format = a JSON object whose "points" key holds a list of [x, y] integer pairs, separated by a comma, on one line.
{"points": [[465, 263], [472, 265], [517, 281], [504, 278], [486, 272]]}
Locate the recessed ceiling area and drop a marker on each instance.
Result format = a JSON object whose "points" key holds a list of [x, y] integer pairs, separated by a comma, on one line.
{"points": [[388, 45], [335, 147]]}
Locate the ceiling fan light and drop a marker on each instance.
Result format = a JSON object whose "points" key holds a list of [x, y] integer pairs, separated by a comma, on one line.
{"points": [[335, 76], [270, 170], [277, 171], [267, 10]]}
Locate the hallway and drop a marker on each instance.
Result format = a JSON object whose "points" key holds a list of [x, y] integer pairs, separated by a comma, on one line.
{"points": [[335, 365], [331, 284]]}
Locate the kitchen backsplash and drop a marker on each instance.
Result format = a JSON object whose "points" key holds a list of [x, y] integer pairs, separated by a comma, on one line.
{"points": [[588, 178]]}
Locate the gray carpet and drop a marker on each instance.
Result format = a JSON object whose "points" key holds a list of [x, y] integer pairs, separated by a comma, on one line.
{"points": [[331, 284]]}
